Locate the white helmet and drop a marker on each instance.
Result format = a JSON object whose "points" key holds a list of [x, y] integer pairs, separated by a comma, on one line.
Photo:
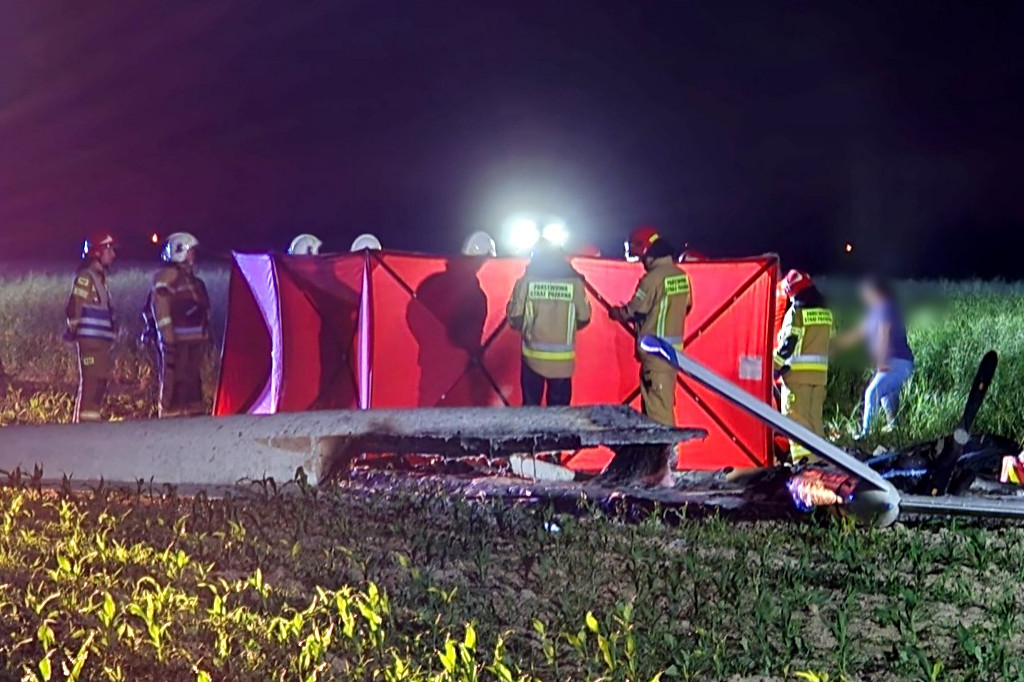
{"points": [[366, 241], [177, 246], [479, 244], [305, 245]]}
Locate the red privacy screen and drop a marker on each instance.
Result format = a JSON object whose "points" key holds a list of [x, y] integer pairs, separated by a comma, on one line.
{"points": [[386, 330]]}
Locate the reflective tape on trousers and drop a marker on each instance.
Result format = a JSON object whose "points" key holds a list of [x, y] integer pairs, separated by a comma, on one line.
{"points": [[809, 363], [90, 333]]}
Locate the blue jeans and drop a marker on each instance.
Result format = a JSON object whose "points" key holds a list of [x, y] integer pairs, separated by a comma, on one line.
{"points": [[884, 390]]}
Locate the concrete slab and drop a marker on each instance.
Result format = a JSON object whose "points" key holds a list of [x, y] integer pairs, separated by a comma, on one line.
{"points": [[224, 450]]}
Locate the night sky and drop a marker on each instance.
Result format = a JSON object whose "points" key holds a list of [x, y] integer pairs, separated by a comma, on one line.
{"points": [[739, 128]]}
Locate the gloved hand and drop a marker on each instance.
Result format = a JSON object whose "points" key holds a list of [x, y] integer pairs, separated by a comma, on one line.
{"points": [[779, 373], [618, 313]]}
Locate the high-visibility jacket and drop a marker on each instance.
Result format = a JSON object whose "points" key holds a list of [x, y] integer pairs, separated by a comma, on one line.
{"points": [[660, 304], [179, 305], [90, 314], [548, 305], [802, 345]]}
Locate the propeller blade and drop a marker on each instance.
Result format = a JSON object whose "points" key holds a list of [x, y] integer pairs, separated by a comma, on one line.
{"points": [[937, 482]]}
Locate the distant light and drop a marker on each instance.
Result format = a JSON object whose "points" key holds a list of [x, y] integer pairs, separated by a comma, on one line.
{"points": [[556, 233], [523, 234], [849, 247], [155, 238]]}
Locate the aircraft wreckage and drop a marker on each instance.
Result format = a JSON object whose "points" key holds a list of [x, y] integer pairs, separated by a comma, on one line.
{"points": [[938, 477]]}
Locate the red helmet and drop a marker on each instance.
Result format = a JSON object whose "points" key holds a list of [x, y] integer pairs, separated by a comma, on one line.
{"points": [[97, 243], [640, 241], [796, 281]]}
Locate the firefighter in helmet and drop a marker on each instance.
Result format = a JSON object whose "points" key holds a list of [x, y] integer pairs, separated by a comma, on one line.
{"points": [[479, 244], [548, 306], [801, 356], [305, 245], [91, 325], [659, 307], [781, 307], [179, 309]]}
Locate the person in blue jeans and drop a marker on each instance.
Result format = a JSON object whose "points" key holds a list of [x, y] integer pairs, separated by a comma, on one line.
{"points": [[886, 335]]}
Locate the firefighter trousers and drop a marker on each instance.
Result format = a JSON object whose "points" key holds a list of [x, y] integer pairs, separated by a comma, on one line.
{"points": [[181, 382], [94, 368], [658, 392], [559, 391], [804, 404]]}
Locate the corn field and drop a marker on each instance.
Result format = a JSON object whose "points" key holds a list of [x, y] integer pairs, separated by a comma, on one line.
{"points": [[279, 581]]}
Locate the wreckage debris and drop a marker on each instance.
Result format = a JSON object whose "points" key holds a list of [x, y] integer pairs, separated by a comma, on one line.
{"points": [[223, 450], [873, 496]]}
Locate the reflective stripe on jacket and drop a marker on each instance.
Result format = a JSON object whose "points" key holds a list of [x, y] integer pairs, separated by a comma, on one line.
{"points": [[548, 312], [802, 344], [663, 298], [90, 314], [180, 305]]}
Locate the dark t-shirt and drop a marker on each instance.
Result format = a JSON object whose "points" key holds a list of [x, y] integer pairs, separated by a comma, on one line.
{"points": [[898, 348]]}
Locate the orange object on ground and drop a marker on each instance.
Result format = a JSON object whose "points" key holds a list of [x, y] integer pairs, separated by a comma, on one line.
{"points": [[1012, 470]]}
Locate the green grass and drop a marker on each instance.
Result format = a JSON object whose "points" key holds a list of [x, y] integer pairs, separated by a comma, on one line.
{"points": [[950, 327], [410, 584], [38, 370], [335, 585]]}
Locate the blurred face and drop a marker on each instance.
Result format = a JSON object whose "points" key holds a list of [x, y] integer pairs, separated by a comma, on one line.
{"points": [[869, 294], [107, 256]]}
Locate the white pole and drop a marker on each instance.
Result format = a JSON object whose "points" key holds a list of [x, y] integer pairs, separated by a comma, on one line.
{"points": [[765, 413]]}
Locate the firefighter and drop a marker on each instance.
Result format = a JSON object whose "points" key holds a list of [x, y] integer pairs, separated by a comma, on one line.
{"points": [[305, 245], [659, 307], [548, 306], [479, 244], [781, 306], [179, 308], [691, 255], [91, 325], [801, 356]]}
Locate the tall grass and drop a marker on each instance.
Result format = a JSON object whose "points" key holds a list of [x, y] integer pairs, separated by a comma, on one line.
{"points": [[39, 366], [950, 327]]}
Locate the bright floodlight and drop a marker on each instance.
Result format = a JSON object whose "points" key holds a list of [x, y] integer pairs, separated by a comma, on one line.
{"points": [[556, 233], [523, 234]]}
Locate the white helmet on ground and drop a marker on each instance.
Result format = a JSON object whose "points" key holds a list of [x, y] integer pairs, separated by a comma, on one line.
{"points": [[305, 245], [366, 241], [479, 244], [177, 246]]}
